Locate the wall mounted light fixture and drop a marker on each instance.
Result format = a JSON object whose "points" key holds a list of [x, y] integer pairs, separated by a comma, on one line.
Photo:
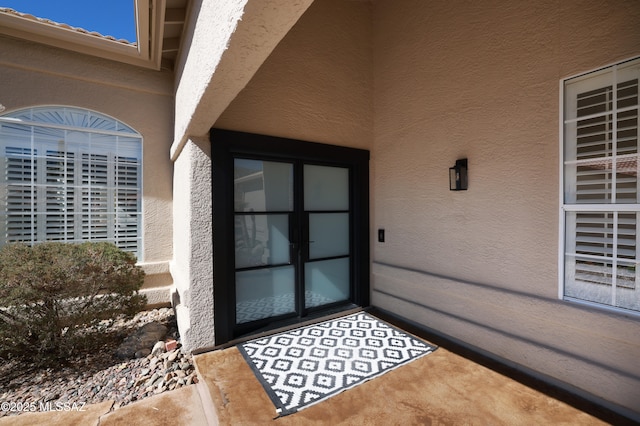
{"points": [[458, 177]]}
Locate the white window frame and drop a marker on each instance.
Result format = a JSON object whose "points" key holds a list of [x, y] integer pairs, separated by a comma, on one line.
{"points": [[612, 207], [81, 174]]}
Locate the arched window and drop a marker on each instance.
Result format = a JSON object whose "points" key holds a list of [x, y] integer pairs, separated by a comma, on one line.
{"points": [[69, 174]]}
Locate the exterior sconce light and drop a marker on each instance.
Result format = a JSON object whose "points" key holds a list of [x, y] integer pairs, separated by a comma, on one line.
{"points": [[458, 178]]}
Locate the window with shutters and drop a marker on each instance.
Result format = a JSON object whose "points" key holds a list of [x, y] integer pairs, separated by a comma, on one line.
{"points": [[70, 174], [601, 207]]}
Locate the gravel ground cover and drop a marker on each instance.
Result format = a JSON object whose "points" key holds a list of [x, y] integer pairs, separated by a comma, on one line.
{"points": [[101, 376]]}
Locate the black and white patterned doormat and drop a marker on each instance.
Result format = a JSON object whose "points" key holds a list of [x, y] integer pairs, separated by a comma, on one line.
{"points": [[302, 367]]}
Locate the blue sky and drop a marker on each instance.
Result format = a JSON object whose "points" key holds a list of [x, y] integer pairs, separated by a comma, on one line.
{"points": [[108, 17]]}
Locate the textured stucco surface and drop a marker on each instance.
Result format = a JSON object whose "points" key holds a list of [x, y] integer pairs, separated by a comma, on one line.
{"points": [[227, 42], [224, 43], [33, 75], [192, 265], [481, 81], [263, 25], [317, 84]]}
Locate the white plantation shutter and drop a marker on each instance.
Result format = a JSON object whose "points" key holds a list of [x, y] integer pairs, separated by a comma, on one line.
{"points": [[95, 197], [601, 200], [127, 198], [70, 175], [18, 194], [59, 196]]}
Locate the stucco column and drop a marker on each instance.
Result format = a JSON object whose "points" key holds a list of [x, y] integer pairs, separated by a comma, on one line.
{"points": [[192, 265]]}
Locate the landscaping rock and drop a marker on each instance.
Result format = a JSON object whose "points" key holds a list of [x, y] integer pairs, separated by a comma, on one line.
{"points": [[173, 355], [144, 338], [121, 381], [142, 353], [158, 348], [171, 345]]}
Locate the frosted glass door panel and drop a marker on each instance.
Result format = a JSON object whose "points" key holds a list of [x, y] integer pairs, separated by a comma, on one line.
{"points": [[328, 235], [326, 188], [261, 239], [265, 277], [262, 186], [326, 281], [290, 254], [264, 293]]}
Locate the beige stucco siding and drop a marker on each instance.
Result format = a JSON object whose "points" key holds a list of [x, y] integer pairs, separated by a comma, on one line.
{"points": [[227, 41], [35, 75], [317, 83], [481, 81], [224, 44], [192, 265]]}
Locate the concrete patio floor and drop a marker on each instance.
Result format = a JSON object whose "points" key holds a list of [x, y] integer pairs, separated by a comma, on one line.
{"points": [[443, 388], [439, 389]]}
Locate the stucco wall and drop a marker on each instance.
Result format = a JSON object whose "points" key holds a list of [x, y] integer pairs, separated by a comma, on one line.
{"points": [[317, 83], [192, 266], [224, 43], [33, 75], [480, 81]]}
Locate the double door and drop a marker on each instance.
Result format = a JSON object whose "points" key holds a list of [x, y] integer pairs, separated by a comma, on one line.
{"points": [[292, 239], [290, 231]]}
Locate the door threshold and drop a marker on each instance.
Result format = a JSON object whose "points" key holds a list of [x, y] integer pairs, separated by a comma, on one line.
{"points": [[302, 322]]}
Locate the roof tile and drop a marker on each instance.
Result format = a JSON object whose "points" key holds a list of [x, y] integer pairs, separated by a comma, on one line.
{"points": [[14, 12]]}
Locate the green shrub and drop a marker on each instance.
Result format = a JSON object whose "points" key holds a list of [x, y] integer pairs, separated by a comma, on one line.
{"points": [[51, 295]]}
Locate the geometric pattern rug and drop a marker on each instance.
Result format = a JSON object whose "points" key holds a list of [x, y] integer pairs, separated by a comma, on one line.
{"points": [[302, 367]]}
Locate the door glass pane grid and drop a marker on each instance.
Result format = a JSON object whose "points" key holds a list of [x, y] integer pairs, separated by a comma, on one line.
{"points": [[264, 214], [326, 281], [326, 203], [263, 204], [262, 186], [264, 293], [261, 240], [326, 188], [328, 235]]}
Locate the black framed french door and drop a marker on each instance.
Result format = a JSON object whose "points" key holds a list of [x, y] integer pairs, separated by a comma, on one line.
{"points": [[290, 231]]}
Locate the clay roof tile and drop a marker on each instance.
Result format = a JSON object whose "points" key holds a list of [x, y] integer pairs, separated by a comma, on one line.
{"points": [[9, 11]]}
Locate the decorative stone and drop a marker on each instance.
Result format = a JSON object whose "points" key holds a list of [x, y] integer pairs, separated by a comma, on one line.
{"points": [[142, 353], [173, 355], [141, 380], [123, 380], [144, 337], [153, 362], [171, 345], [158, 348]]}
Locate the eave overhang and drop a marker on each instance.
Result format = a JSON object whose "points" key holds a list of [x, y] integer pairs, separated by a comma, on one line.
{"points": [[147, 52]]}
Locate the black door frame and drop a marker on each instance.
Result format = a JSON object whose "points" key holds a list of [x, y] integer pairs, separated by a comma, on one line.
{"points": [[226, 144]]}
